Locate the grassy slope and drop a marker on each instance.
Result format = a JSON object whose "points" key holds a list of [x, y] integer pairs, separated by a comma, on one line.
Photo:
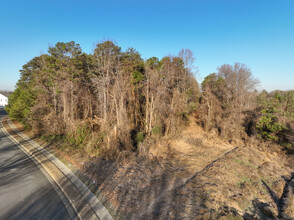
{"points": [[195, 175]]}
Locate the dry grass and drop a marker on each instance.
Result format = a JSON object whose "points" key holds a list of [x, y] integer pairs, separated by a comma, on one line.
{"points": [[192, 176], [192, 149]]}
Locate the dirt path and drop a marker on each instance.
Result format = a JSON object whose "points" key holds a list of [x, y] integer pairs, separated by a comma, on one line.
{"points": [[182, 183], [284, 201]]}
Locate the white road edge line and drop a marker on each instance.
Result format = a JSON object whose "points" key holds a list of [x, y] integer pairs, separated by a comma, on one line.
{"points": [[66, 201], [95, 204]]}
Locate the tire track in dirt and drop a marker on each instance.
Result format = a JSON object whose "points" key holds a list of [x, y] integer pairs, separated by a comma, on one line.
{"points": [[186, 181], [283, 201], [182, 183]]}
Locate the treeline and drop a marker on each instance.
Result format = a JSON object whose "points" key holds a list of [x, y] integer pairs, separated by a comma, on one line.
{"points": [[110, 101], [231, 107], [5, 93], [226, 98], [275, 121]]}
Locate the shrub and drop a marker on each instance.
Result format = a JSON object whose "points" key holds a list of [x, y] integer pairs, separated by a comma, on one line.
{"points": [[268, 126], [79, 136], [139, 137], [276, 117], [157, 130]]}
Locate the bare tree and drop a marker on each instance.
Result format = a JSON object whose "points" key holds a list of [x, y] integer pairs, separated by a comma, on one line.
{"points": [[240, 82]]}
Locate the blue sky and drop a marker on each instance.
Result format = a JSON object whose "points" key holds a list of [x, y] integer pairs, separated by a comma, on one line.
{"points": [[259, 33]]}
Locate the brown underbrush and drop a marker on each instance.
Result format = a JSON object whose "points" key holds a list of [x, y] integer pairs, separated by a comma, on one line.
{"points": [[194, 175]]}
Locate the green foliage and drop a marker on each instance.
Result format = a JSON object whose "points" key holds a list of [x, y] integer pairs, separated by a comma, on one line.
{"points": [[209, 81], [157, 130], [107, 49], [132, 61], [187, 110], [165, 60], [139, 137], [177, 61], [62, 50], [52, 138], [267, 126], [79, 137], [23, 98], [153, 63], [216, 85], [277, 117], [109, 90], [137, 77]]}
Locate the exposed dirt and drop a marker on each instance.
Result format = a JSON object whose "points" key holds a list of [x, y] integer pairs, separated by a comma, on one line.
{"points": [[196, 176]]}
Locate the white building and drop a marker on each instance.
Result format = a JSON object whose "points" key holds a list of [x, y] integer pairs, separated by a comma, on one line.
{"points": [[3, 100]]}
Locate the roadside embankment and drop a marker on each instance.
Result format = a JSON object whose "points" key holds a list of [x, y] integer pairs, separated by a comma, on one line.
{"points": [[195, 176], [85, 203]]}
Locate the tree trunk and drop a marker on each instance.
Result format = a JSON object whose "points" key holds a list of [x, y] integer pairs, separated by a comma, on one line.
{"points": [[147, 108]]}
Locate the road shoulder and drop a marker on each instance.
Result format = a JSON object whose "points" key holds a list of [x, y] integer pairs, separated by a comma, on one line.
{"points": [[83, 201]]}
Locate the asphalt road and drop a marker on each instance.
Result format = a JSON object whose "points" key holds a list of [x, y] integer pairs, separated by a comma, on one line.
{"points": [[25, 192]]}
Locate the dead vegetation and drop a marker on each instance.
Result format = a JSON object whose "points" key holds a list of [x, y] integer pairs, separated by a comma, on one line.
{"points": [[195, 175], [156, 146], [180, 182]]}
